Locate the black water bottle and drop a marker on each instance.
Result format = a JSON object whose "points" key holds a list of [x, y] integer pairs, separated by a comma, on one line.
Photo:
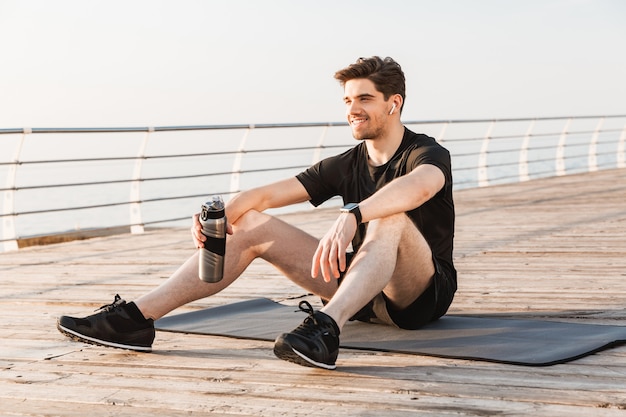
{"points": [[213, 221]]}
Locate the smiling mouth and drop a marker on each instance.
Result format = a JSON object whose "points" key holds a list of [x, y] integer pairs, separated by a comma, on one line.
{"points": [[357, 121]]}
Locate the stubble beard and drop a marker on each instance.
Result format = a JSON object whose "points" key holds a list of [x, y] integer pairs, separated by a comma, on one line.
{"points": [[370, 134]]}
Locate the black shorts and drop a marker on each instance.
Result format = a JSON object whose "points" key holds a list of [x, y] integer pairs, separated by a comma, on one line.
{"points": [[432, 304]]}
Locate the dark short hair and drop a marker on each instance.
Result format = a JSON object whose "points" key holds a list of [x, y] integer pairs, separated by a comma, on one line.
{"points": [[386, 74]]}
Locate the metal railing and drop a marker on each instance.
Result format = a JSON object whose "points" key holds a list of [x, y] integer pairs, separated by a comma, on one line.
{"points": [[64, 180]]}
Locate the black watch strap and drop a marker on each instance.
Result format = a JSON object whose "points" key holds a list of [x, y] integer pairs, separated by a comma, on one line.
{"points": [[354, 209]]}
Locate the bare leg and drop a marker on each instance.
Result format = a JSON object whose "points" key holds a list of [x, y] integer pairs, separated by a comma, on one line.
{"points": [[394, 258], [255, 235]]}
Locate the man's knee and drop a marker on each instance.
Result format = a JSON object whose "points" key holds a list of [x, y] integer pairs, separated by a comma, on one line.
{"points": [[249, 233], [250, 219], [400, 232], [395, 223]]}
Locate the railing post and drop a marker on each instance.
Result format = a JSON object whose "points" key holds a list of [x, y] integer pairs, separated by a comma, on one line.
{"points": [[317, 153], [8, 226], [560, 150], [136, 221], [235, 175], [442, 132], [593, 147], [523, 154], [621, 149], [483, 178]]}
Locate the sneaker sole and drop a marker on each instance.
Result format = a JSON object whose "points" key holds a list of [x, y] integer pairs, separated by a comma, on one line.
{"points": [[91, 340], [289, 354]]}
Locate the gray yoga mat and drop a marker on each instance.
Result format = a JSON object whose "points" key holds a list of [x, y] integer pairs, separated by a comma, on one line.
{"points": [[520, 342]]}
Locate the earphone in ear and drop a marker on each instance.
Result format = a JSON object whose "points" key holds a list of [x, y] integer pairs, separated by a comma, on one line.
{"points": [[393, 107]]}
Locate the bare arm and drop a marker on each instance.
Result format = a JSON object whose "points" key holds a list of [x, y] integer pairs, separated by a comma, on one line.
{"points": [[278, 194], [404, 193]]}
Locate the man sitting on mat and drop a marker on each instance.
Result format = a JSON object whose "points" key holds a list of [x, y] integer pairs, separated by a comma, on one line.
{"points": [[398, 215]]}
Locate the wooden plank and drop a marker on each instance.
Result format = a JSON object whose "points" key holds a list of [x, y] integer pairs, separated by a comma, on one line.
{"points": [[551, 248]]}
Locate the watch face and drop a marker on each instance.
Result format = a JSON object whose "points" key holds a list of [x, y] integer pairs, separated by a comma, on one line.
{"points": [[350, 206]]}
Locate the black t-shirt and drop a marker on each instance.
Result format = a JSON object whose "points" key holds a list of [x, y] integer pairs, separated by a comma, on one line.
{"points": [[350, 176]]}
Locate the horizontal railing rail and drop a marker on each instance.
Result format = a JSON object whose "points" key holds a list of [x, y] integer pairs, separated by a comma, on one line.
{"points": [[68, 180]]}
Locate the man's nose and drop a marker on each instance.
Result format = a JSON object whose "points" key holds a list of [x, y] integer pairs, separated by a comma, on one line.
{"points": [[353, 108]]}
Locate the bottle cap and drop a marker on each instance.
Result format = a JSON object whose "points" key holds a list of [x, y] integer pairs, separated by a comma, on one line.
{"points": [[213, 208]]}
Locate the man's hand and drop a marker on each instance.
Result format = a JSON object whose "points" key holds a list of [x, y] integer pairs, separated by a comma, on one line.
{"points": [[330, 256], [196, 231]]}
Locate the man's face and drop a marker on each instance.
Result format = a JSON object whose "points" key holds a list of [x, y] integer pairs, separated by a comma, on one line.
{"points": [[366, 109]]}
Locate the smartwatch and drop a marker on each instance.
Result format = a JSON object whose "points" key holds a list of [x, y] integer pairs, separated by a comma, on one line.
{"points": [[354, 209]]}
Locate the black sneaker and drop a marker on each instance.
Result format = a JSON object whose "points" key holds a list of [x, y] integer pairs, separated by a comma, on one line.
{"points": [[314, 343], [119, 325]]}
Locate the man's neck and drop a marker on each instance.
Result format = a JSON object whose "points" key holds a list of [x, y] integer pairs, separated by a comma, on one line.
{"points": [[381, 149]]}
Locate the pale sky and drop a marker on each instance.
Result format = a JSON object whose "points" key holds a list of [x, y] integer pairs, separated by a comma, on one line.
{"points": [[82, 63]]}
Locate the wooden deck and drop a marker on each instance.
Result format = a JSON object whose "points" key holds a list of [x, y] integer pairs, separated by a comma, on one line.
{"points": [[553, 248]]}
